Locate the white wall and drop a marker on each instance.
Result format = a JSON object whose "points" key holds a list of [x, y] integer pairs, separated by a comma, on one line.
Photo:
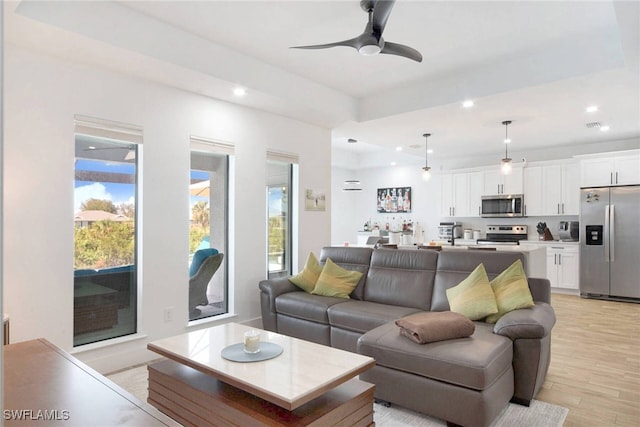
{"points": [[42, 94], [351, 211]]}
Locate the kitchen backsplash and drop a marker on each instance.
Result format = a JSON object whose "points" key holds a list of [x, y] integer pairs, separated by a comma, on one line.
{"points": [[431, 230], [553, 223]]}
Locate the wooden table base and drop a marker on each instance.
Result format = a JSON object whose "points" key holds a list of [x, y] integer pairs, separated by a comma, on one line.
{"points": [[194, 398]]}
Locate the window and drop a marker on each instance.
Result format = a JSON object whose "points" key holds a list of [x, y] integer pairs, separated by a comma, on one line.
{"points": [[280, 171], [208, 231], [105, 256]]}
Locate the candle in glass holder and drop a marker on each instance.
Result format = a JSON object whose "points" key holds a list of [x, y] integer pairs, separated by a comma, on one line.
{"points": [[252, 341]]}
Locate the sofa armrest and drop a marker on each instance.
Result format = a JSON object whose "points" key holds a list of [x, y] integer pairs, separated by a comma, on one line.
{"points": [[530, 323], [275, 287], [540, 289], [269, 291]]}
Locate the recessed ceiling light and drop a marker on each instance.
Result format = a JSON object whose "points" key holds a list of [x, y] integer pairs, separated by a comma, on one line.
{"points": [[604, 128], [591, 109], [507, 141], [398, 148], [239, 91], [429, 151], [468, 103], [393, 163]]}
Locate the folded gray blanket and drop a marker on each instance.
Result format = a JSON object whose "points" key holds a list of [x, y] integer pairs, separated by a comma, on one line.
{"points": [[434, 326]]}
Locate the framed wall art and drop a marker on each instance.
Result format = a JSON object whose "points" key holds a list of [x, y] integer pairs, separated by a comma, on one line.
{"points": [[394, 200], [314, 200]]}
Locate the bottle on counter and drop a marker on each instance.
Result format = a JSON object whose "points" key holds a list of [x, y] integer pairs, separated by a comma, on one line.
{"points": [[418, 234]]}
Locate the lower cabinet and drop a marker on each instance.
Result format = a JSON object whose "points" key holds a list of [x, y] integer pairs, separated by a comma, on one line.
{"points": [[563, 266]]}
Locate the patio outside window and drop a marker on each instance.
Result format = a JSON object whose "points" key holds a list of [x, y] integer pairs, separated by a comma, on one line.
{"points": [[105, 196], [208, 207], [282, 201]]}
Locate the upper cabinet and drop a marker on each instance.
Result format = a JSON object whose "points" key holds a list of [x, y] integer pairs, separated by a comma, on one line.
{"points": [[494, 182], [533, 191], [571, 189], [551, 190], [460, 194], [611, 170]]}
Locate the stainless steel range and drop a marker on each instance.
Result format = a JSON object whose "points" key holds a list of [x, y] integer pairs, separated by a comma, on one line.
{"points": [[504, 235]]}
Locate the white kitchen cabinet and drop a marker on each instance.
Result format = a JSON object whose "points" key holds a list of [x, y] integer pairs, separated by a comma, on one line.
{"points": [[446, 199], [605, 171], [457, 200], [551, 190], [571, 189], [533, 191], [561, 191], [494, 182], [563, 266], [475, 193]]}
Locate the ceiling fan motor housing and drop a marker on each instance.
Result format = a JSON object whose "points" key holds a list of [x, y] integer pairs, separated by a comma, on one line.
{"points": [[367, 5]]}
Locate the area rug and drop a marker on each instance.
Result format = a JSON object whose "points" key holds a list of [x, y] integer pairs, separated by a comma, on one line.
{"points": [[539, 414]]}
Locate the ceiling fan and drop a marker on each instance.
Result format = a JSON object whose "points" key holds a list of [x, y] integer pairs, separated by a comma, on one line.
{"points": [[371, 42]]}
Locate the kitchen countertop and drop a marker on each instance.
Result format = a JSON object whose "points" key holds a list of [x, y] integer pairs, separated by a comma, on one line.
{"points": [[551, 242], [464, 245], [502, 248], [469, 242]]}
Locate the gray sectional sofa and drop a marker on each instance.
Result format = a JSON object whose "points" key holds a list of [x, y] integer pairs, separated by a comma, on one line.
{"points": [[465, 381]]}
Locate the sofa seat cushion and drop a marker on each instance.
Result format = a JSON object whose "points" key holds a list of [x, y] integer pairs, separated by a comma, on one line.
{"points": [[475, 362], [306, 306], [362, 316]]}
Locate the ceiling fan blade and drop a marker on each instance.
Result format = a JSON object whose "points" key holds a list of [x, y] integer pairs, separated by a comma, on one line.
{"points": [[381, 12], [354, 43], [401, 50]]}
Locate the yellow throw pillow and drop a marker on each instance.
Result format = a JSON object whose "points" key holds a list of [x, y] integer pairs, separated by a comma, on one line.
{"points": [[307, 278], [335, 281], [512, 291], [473, 297]]}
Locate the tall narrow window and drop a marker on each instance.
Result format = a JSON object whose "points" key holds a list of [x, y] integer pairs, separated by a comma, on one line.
{"points": [[208, 207], [105, 256], [280, 170]]}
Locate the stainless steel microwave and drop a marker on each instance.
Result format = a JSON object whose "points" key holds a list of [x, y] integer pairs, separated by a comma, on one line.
{"points": [[505, 205]]}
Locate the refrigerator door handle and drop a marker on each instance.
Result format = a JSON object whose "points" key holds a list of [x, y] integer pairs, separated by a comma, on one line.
{"points": [[612, 232], [606, 233]]}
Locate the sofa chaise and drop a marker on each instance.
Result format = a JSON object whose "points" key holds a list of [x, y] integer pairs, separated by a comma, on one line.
{"points": [[465, 381]]}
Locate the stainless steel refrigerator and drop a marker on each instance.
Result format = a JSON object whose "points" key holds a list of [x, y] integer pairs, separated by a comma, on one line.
{"points": [[610, 242]]}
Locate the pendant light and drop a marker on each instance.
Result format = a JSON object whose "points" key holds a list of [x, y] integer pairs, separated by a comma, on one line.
{"points": [[351, 184], [426, 175], [506, 162]]}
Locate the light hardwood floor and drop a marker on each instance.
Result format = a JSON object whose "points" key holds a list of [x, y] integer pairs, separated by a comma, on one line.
{"points": [[595, 362]]}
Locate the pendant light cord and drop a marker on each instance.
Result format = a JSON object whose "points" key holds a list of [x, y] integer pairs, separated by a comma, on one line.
{"points": [[506, 124], [426, 149]]}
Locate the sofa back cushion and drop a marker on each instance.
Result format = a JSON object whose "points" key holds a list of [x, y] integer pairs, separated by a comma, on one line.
{"points": [[401, 277], [356, 259], [455, 265]]}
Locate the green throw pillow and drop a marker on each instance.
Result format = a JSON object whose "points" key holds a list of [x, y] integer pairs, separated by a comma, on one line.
{"points": [[335, 281], [473, 297], [307, 278], [512, 291]]}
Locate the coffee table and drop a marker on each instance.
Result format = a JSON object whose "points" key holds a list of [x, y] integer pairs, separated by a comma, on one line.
{"points": [[308, 383]]}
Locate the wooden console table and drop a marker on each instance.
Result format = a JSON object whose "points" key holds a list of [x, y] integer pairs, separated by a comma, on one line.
{"points": [[46, 386], [5, 329]]}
